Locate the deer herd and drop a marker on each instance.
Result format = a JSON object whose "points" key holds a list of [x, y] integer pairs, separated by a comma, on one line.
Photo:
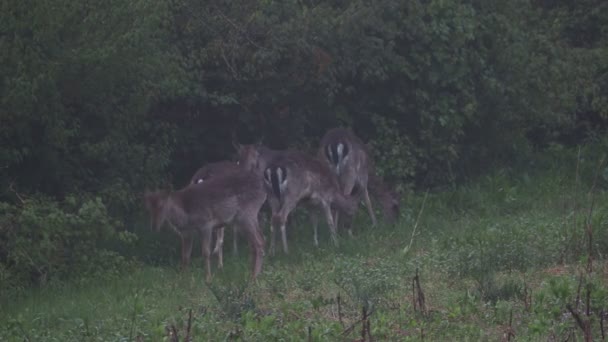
{"points": [[232, 194]]}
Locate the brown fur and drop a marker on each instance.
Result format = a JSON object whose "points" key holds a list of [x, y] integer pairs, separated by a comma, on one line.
{"points": [[356, 172], [307, 178], [235, 198], [208, 171]]}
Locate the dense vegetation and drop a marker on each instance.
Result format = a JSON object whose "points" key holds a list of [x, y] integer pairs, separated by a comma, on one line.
{"points": [[99, 101]]}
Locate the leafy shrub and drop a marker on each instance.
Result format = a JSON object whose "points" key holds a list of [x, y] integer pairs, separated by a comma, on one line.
{"points": [[234, 299], [44, 239], [366, 282]]}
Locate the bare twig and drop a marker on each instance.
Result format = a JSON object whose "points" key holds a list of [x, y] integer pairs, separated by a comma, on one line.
{"points": [[340, 310], [232, 70], [188, 338], [602, 314], [419, 301], [588, 224], [364, 324], [11, 187], [578, 291], [527, 298], [584, 325], [172, 333], [352, 326], [510, 330], [407, 248], [240, 29]]}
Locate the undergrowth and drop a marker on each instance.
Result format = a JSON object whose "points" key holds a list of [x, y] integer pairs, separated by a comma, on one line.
{"points": [[515, 254]]}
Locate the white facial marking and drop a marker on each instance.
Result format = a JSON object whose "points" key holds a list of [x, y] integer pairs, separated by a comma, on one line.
{"points": [[200, 180]]}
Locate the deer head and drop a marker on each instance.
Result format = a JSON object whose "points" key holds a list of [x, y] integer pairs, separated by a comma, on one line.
{"points": [[249, 156], [156, 205]]}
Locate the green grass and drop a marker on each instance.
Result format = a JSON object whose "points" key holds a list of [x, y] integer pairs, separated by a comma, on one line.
{"points": [[503, 253]]}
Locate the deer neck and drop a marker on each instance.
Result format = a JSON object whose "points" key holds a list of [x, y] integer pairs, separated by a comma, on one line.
{"points": [[175, 213]]}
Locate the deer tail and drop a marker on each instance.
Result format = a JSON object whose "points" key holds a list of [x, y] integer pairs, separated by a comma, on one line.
{"points": [[276, 177]]}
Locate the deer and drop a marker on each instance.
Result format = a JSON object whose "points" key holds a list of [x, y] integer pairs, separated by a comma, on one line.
{"points": [[211, 170], [351, 162], [234, 198], [290, 177]]}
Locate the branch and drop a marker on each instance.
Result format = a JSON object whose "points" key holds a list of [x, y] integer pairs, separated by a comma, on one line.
{"points": [[407, 248], [239, 29], [11, 187]]}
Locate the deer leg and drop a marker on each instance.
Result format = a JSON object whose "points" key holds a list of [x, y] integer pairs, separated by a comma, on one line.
{"points": [[368, 204], [314, 219], [347, 189], [274, 206], [235, 245], [186, 250], [330, 223], [280, 219], [206, 250], [219, 247], [256, 245]]}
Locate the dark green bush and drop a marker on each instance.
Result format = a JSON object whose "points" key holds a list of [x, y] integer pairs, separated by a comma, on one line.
{"points": [[42, 240]]}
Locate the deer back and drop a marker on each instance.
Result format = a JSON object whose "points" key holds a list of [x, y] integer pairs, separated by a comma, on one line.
{"points": [[216, 201], [215, 169], [300, 175]]}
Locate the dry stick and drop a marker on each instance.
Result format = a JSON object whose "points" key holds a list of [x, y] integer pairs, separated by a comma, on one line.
{"points": [[589, 227], [189, 327], [239, 29], [414, 293], [407, 248], [602, 313], [352, 326], [172, 332], [369, 331], [510, 332], [364, 324], [420, 294], [579, 321], [340, 310], [11, 187], [578, 291], [527, 298], [575, 207]]}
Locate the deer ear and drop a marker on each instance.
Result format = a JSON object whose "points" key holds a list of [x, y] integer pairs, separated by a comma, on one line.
{"points": [[235, 141], [259, 142]]}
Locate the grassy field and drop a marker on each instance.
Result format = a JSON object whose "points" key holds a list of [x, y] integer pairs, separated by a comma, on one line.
{"points": [[503, 257]]}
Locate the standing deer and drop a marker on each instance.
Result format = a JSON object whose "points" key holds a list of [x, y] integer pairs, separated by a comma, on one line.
{"points": [[351, 161], [231, 199], [292, 176], [210, 170]]}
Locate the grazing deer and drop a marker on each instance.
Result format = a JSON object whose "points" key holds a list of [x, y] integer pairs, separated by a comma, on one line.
{"points": [[351, 161], [292, 176], [217, 169], [231, 199], [388, 198]]}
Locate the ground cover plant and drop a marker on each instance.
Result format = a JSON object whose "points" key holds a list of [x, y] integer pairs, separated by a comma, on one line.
{"points": [[473, 111], [505, 256]]}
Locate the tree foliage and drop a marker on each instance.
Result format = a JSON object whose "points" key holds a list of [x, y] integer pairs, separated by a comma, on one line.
{"points": [[106, 99]]}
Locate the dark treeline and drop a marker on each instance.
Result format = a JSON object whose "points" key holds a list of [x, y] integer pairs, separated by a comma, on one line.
{"points": [[99, 100]]}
